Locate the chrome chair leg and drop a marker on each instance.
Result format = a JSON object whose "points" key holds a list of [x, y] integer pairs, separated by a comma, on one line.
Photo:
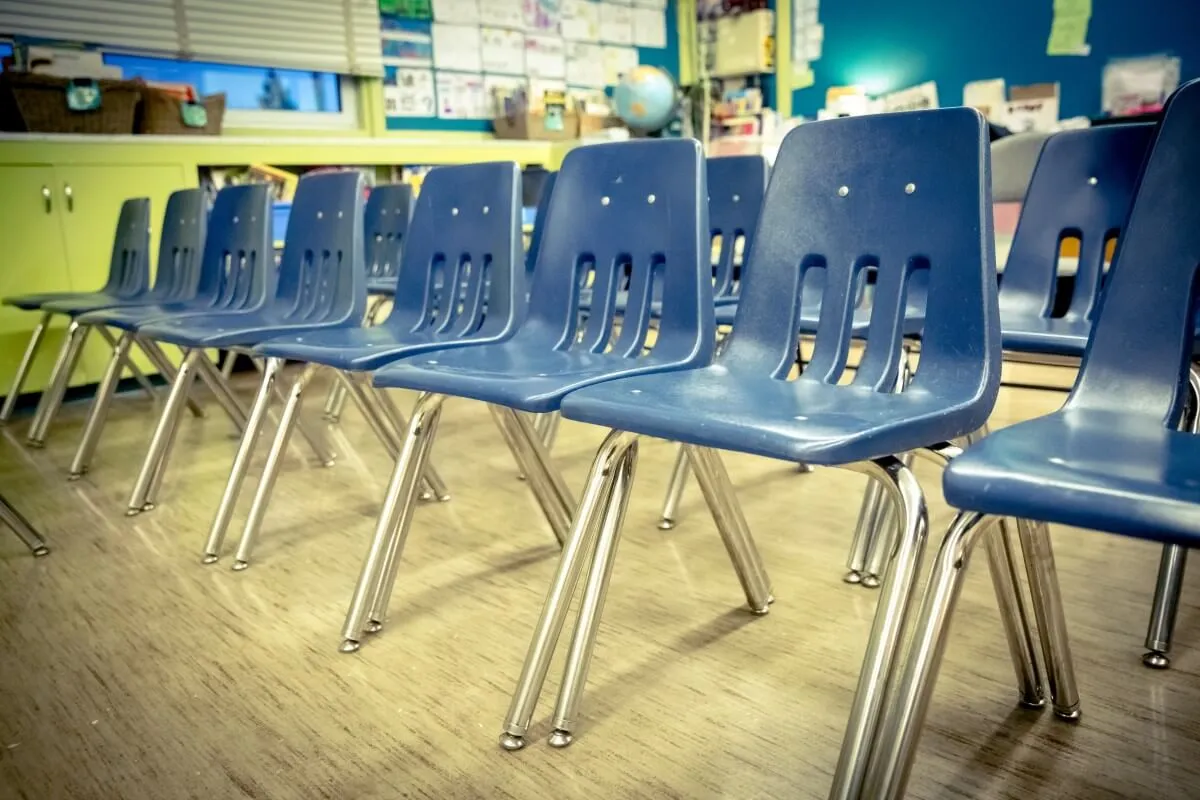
{"points": [[1002, 565], [735, 533], [435, 486], [98, 412], [549, 429], [223, 392], [315, 439], [597, 493], [864, 531], [1166, 604], [879, 546], [21, 527], [31, 349], [266, 483], [336, 403], [887, 630], [1051, 621], [545, 481], [394, 518], [241, 461], [679, 475], [227, 364], [896, 744], [164, 432], [52, 396], [133, 368], [595, 589], [163, 364]]}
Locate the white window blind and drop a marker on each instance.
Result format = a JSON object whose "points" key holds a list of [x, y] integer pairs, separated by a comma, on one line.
{"points": [[321, 35]]}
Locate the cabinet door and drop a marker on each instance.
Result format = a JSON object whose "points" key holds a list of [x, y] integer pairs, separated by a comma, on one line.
{"points": [[33, 260], [89, 198]]}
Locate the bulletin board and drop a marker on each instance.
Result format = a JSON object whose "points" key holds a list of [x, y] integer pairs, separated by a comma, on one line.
{"points": [[884, 45], [451, 50]]}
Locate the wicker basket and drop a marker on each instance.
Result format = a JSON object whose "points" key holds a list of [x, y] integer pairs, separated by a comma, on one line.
{"points": [[162, 113], [38, 104]]}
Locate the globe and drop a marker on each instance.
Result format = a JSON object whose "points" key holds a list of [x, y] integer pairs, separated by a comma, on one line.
{"points": [[645, 99]]}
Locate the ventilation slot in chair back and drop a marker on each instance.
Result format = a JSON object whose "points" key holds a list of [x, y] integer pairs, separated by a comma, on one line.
{"points": [[900, 194], [237, 272]]}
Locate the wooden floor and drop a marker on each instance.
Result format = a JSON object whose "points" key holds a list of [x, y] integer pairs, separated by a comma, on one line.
{"points": [[129, 670]]}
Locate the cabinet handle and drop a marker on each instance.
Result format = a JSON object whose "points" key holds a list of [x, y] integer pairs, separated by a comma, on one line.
{"points": [[46, 197], [70, 195]]}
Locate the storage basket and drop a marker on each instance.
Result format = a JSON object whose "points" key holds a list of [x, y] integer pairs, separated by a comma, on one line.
{"points": [[38, 104], [163, 112]]}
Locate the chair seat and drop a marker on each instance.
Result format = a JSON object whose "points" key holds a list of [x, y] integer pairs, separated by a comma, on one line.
{"points": [[360, 349], [32, 302], [1035, 334], [515, 375], [1102, 470], [225, 330], [74, 306], [131, 318], [798, 420], [385, 286]]}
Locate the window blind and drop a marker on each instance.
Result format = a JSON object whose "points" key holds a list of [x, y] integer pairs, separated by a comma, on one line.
{"points": [[320, 35]]}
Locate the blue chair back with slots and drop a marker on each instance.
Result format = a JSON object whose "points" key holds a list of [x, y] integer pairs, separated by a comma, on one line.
{"points": [[904, 194], [539, 222], [736, 185], [386, 218], [1112, 458], [632, 211], [128, 278], [465, 233], [1082, 187], [180, 247], [238, 271], [320, 283]]}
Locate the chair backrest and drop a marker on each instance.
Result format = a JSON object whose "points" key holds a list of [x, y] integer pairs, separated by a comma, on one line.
{"points": [[1137, 356], [634, 210], [900, 193], [736, 185], [180, 247], [463, 255], [322, 275], [386, 217], [129, 265], [539, 221], [238, 272], [1082, 187]]}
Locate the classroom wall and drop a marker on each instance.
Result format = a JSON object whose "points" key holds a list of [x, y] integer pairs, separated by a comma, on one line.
{"points": [[886, 45]]}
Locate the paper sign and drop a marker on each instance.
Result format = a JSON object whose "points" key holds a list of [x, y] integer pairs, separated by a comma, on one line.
{"points": [[462, 96], [1033, 108], [542, 16], [458, 11], [545, 57], [503, 51], [416, 9], [802, 76], [649, 27], [581, 20], [987, 96], [923, 95], [1068, 36], [407, 43], [410, 94], [502, 13], [456, 47], [585, 64], [617, 62], [616, 23]]}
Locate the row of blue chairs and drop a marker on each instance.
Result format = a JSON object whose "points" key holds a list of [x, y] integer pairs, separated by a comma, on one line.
{"points": [[900, 195]]}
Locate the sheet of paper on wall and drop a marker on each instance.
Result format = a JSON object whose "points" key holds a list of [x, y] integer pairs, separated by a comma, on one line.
{"points": [[585, 64], [461, 96], [616, 23], [915, 98], [1137, 85], [502, 50], [545, 57], [502, 13], [649, 27], [542, 16], [498, 87], [802, 75], [406, 43], [651, 3], [581, 20], [1069, 28], [463, 12], [1032, 108], [411, 94], [988, 96], [617, 62], [457, 47]]}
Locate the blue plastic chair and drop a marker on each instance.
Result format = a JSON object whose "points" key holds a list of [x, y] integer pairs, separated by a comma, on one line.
{"points": [[128, 278], [1082, 186], [902, 193], [1114, 458], [386, 218], [232, 273], [321, 283], [636, 206], [465, 234]]}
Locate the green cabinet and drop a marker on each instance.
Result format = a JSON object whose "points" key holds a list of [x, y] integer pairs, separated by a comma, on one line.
{"points": [[56, 228]]}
